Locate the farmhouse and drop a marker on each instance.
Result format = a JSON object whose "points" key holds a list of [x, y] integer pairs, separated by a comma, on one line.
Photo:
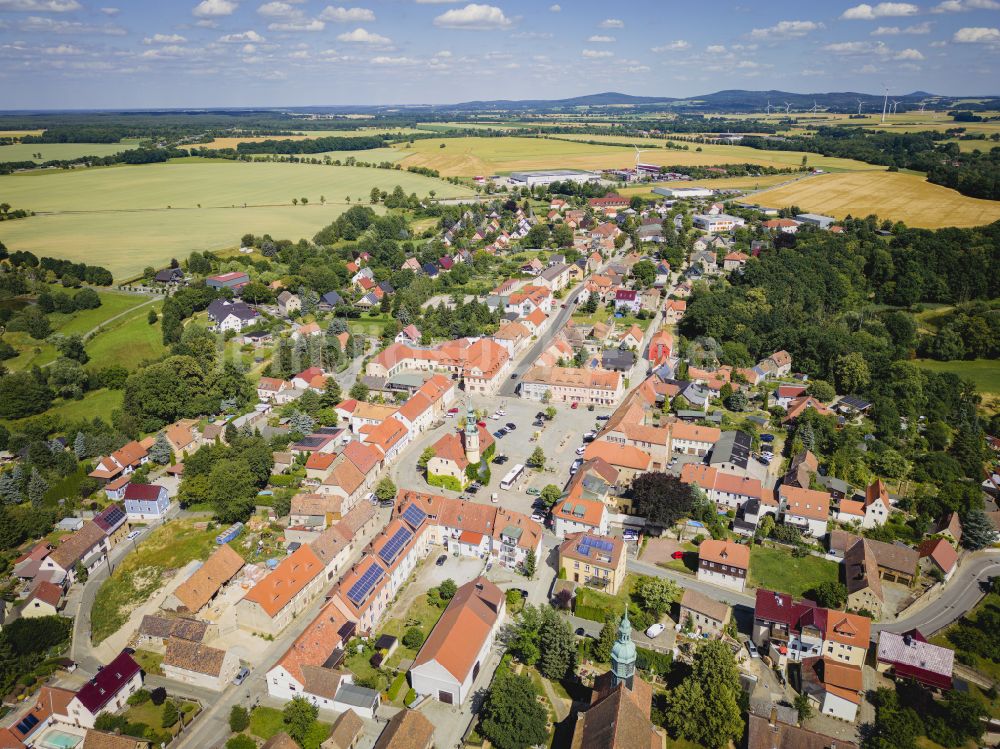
{"points": [[199, 665]]}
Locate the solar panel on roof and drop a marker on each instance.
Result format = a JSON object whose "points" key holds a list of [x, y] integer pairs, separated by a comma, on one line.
{"points": [[114, 514], [414, 516], [394, 545], [360, 590], [587, 543]]}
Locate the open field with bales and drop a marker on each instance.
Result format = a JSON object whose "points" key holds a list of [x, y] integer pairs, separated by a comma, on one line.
{"points": [[128, 217], [893, 195], [60, 151]]}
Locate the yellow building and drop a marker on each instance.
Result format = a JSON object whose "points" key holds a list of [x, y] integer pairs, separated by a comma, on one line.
{"points": [[593, 560]]}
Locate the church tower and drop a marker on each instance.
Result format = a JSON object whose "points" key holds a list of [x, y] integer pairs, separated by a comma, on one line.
{"points": [[623, 655], [471, 436]]}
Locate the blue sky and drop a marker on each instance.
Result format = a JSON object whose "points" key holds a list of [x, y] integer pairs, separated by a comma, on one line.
{"points": [[207, 53]]}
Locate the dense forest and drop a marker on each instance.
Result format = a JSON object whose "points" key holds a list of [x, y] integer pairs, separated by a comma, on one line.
{"points": [[314, 145], [974, 173], [824, 300]]}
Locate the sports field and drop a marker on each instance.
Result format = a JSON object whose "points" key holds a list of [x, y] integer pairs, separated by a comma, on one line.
{"points": [[893, 195], [464, 157], [128, 217], [59, 151]]}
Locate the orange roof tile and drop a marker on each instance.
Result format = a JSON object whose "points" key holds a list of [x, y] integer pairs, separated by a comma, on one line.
{"points": [[625, 456], [725, 552], [286, 581]]}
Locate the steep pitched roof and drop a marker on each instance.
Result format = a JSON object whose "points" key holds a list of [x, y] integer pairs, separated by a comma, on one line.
{"points": [[286, 581], [194, 656], [407, 729], [217, 570]]}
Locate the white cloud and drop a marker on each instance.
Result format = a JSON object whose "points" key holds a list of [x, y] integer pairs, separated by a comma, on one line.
{"points": [[40, 6], [303, 24], [716, 49], [856, 48], [939, 43], [601, 39], [164, 39], [555, 8], [866, 12], [52, 26], [248, 49], [786, 30], [532, 35], [909, 54], [474, 16], [436, 2], [363, 36], [977, 35], [169, 52], [111, 11], [637, 69], [675, 46], [960, 6], [214, 8], [612, 23], [917, 28], [241, 38], [594, 54], [62, 50], [394, 61], [279, 9], [347, 15]]}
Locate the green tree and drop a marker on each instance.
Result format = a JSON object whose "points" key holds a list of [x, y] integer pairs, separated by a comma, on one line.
{"points": [[655, 594], [425, 457], [170, 715], [152, 317], [231, 490], [851, 373], [298, 716], [605, 641], [37, 486], [22, 395], [413, 638], [239, 719], [71, 347], [529, 564], [557, 645], [821, 390], [241, 741], [359, 391], [550, 494], [704, 708], [537, 458], [447, 589], [804, 707], [661, 498], [550, 413], [830, 594], [512, 718], [385, 490], [332, 394], [161, 452], [977, 530]]}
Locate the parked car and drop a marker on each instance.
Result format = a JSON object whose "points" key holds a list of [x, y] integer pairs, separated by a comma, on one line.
{"points": [[752, 649], [511, 426], [603, 418], [575, 405], [581, 450], [441, 560], [538, 424], [241, 675], [500, 434], [387, 503], [534, 492], [630, 535], [677, 555], [655, 630], [134, 534], [537, 517], [500, 459], [372, 498], [580, 632], [590, 407]]}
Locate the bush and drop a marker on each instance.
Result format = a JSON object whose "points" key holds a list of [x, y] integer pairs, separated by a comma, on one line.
{"points": [[650, 660], [239, 719], [410, 698], [445, 482], [139, 698], [158, 696], [170, 715], [241, 742], [413, 638], [397, 686]]}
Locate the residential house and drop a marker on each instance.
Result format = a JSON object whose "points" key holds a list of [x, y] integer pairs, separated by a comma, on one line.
{"points": [[331, 299], [910, 656], [449, 662], [734, 261], [661, 347], [702, 614], [627, 300], [631, 338], [938, 554], [785, 394], [346, 731], [407, 729], [806, 509], [43, 600], [580, 515], [724, 563], [228, 315], [872, 512], [783, 225], [950, 526], [182, 437], [51, 707], [410, 335], [87, 547], [802, 468], [275, 601], [124, 460], [289, 303], [717, 223], [205, 583], [867, 563], [725, 489], [594, 560], [572, 385], [155, 631], [691, 439], [108, 691], [674, 311], [764, 733], [144, 502], [269, 389], [834, 688], [199, 665]]}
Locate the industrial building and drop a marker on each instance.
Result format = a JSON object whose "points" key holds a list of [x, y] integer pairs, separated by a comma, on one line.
{"points": [[530, 179]]}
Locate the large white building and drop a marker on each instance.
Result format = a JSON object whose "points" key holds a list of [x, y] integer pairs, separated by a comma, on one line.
{"points": [[530, 179], [680, 193], [450, 660]]}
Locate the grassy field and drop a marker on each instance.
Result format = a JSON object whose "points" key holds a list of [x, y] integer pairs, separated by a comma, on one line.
{"points": [[985, 373], [267, 721], [144, 572], [37, 353], [466, 157], [778, 570], [893, 195], [128, 341], [126, 218], [59, 151]]}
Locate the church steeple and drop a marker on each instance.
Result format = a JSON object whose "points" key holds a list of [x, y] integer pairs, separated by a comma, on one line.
{"points": [[471, 436], [623, 655]]}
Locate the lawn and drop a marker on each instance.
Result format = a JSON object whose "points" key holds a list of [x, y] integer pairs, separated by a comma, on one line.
{"points": [[95, 403], [151, 662], [58, 152], [604, 315], [129, 341], [126, 218], [265, 722], [892, 195], [985, 373], [368, 325], [598, 606], [142, 573], [38, 353], [777, 569]]}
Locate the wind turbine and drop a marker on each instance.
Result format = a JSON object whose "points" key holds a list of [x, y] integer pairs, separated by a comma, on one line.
{"points": [[768, 107], [894, 105], [923, 105], [638, 153], [885, 103], [787, 107], [815, 107], [860, 104]]}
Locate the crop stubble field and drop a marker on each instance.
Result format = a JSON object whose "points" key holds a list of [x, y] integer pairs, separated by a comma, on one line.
{"points": [[126, 218], [60, 151]]}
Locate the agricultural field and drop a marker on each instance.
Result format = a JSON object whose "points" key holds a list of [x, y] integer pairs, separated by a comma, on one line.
{"points": [[985, 373], [893, 195], [370, 155], [19, 133], [126, 218], [60, 151]]}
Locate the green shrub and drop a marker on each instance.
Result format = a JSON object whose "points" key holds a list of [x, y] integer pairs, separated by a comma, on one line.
{"points": [[650, 660], [241, 742], [410, 698], [239, 719], [139, 698], [396, 687], [445, 482], [413, 638]]}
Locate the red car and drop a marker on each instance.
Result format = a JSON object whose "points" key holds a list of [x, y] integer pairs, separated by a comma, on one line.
{"points": [[574, 405], [677, 555]]}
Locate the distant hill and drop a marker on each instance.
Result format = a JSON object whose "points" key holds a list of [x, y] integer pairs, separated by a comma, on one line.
{"points": [[606, 99]]}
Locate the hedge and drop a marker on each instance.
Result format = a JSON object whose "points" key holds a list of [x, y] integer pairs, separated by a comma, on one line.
{"points": [[447, 482], [396, 687], [650, 660], [410, 698]]}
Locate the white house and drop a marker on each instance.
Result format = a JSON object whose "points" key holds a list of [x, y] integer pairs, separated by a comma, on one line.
{"points": [[807, 509], [720, 222], [724, 563], [580, 515], [107, 692], [229, 315], [450, 660], [146, 501]]}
